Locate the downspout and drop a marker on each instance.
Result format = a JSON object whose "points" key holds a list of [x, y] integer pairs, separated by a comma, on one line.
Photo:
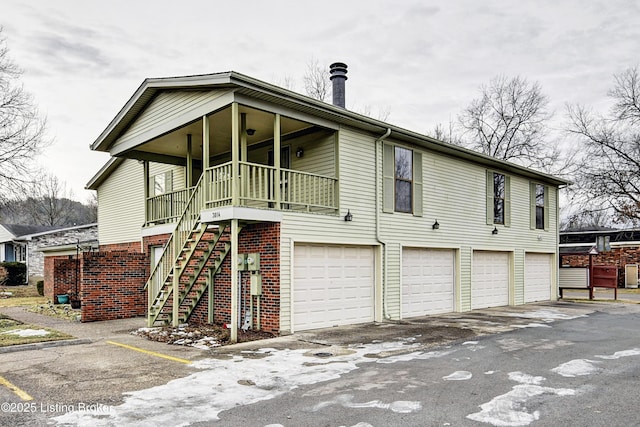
{"points": [[385, 311]]}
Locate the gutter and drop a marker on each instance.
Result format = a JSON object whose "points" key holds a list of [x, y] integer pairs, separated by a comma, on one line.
{"points": [[385, 311]]}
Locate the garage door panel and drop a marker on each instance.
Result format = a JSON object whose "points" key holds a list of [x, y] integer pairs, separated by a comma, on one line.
{"points": [[490, 279], [537, 277], [427, 281], [333, 285]]}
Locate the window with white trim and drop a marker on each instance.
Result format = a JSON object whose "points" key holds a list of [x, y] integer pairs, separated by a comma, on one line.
{"points": [[402, 180], [539, 195], [498, 198]]}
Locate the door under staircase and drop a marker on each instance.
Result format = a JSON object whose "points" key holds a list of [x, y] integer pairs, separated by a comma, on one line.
{"points": [[190, 259], [199, 260]]}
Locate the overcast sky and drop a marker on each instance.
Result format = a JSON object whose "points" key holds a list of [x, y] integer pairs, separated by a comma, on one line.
{"points": [[423, 61]]}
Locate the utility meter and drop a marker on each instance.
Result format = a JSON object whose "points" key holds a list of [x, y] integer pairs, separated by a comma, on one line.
{"points": [[253, 262]]}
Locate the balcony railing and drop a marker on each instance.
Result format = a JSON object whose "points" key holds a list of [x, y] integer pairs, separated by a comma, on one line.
{"points": [[257, 187], [167, 207]]}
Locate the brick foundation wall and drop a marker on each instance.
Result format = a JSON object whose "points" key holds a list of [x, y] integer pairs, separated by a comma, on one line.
{"points": [[65, 275], [151, 241], [50, 276], [618, 257], [264, 239], [117, 247], [112, 285]]}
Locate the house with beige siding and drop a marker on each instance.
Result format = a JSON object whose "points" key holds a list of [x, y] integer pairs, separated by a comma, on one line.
{"points": [[262, 208]]}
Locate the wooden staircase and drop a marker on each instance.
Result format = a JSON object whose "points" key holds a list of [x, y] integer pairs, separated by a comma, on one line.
{"points": [[193, 250], [200, 259]]}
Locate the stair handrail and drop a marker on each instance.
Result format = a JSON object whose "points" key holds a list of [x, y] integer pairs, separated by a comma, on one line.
{"points": [[178, 238]]}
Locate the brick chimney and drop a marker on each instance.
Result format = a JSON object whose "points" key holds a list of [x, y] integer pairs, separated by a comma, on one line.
{"points": [[338, 72]]}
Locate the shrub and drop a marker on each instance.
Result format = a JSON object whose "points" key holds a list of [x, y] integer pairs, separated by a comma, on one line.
{"points": [[40, 287], [16, 273]]}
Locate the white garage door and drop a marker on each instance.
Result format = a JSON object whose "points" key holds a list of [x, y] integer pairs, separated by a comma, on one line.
{"points": [[427, 281], [537, 277], [333, 285], [490, 279]]}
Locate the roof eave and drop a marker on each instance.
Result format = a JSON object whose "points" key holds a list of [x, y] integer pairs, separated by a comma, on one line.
{"points": [[151, 86]]}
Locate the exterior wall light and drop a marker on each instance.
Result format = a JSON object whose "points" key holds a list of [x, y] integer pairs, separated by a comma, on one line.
{"points": [[251, 132], [299, 152], [495, 230], [348, 216], [435, 225]]}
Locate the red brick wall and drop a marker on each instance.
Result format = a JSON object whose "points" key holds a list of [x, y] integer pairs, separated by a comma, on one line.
{"points": [[65, 274], [112, 285], [128, 246], [52, 285], [264, 239], [157, 240], [619, 257]]}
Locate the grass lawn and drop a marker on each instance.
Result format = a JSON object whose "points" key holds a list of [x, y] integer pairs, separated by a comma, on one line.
{"points": [[13, 332], [20, 295]]}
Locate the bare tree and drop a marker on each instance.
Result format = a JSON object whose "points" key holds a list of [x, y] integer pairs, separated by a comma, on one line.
{"points": [[21, 129], [446, 133], [49, 202], [316, 81], [587, 219], [508, 121], [610, 150]]}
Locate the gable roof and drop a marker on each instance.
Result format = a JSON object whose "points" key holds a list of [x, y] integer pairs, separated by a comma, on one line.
{"points": [[27, 232], [18, 230], [263, 91], [56, 230]]}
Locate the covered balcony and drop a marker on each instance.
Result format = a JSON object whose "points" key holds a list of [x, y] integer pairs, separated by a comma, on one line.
{"points": [[240, 156]]}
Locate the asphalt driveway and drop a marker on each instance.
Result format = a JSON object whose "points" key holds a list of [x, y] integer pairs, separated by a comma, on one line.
{"points": [[110, 377]]}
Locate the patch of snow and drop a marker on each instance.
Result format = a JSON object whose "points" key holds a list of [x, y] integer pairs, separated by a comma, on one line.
{"points": [[28, 333], [458, 376], [619, 354], [546, 315], [470, 343], [509, 409], [416, 355], [225, 384], [346, 401], [577, 367], [490, 372], [522, 378], [532, 325]]}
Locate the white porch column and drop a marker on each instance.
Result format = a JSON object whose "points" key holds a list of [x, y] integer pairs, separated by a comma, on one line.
{"points": [[276, 160], [205, 158], [175, 321], [244, 173], [243, 137], [234, 281], [189, 169], [235, 154], [145, 168]]}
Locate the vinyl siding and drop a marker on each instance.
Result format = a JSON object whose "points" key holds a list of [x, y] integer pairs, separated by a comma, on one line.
{"points": [[356, 193], [121, 204], [167, 109], [453, 193], [178, 174], [465, 262], [518, 277], [121, 200], [5, 235]]}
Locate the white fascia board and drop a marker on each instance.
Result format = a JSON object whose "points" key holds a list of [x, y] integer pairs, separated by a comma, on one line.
{"points": [[236, 212]]}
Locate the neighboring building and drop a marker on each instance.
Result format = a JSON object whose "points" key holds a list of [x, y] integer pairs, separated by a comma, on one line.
{"points": [[11, 248], [78, 236], [23, 243], [620, 248], [309, 215]]}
